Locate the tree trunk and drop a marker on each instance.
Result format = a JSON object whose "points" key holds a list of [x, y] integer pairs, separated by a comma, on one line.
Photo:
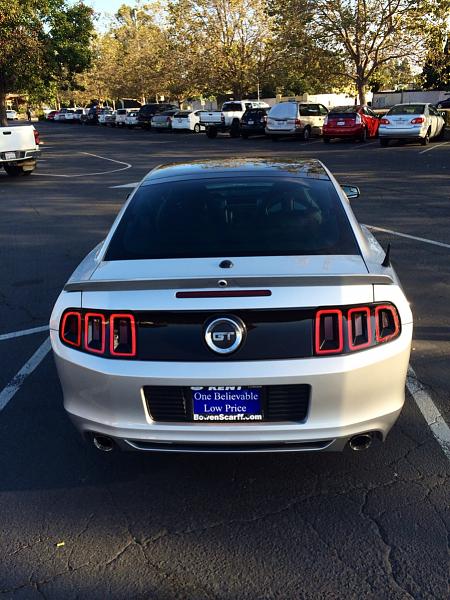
{"points": [[361, 85], [3, 119]]}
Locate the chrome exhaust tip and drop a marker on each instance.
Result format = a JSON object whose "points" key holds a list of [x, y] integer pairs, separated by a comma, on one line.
{"points": [[103, 443], [361, 442]]}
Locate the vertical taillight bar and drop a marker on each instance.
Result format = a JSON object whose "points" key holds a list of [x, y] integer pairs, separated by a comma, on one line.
{"points": [[387, 323], [329, 336], [95, 332], [359, 328], [122, 335], [70, 329]]}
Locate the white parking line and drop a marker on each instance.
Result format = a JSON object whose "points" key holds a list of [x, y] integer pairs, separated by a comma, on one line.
{"points": [[119, 162], [433, 147], [14, 385], [429, 410], [16, 334], [410, 237], [126, 185]]}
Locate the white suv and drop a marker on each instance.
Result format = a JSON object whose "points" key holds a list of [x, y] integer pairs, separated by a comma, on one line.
{"points": [[296, 118]]}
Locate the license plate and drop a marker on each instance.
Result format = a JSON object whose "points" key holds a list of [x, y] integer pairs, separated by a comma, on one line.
{"points": [[341, 122], [251, 122], [10, 155], [226, 404]]}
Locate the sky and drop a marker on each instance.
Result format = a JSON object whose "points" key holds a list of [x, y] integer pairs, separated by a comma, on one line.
{"points": [[108, 6]]}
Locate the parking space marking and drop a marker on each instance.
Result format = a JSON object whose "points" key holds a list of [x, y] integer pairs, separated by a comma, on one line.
{"points": [[14, 385], [126, 185], [410, 237], [434, 147], [430, 412], [16, 334], [119, 162]]}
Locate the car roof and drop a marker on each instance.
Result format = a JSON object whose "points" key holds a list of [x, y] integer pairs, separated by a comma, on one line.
{"points": [[233, 167]]}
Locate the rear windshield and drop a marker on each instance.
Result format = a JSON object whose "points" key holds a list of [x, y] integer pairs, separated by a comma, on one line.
{"points": [[224, 217], [232, 107], [284, 110], [344, 109], [254, 113], [407, 109], [183, 114]]}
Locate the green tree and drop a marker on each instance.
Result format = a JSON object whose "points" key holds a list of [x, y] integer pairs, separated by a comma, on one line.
{"points": [[363, 35], [230, 43], [42, 42]]}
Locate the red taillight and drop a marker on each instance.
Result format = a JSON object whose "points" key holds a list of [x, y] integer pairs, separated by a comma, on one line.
{"points": [[122, 335], [329, 338], [70, 328], [387, 324], [95, 332], [359, 328], [349, 329], [385, 122], [298, 123], [37, 140], [417, 121]]}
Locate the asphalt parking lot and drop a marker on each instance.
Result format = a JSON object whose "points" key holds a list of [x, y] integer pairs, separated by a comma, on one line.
{"points": [[77, 523]]}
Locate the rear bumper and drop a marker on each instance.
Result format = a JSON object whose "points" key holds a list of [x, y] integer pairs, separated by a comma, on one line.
{"points": [[410, 133], [350, 395], [343, 132]]}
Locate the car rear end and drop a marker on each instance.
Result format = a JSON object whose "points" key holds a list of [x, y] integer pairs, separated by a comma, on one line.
{"points": [[343, 122], [19, 149], [283, 120], [253, 122], [184, 120], [145, 332], [163, 120], [405, 121], [121, 115], [131, 120]]}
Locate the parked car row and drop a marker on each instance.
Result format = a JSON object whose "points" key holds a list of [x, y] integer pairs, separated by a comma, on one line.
{"points": [[245, 118]]}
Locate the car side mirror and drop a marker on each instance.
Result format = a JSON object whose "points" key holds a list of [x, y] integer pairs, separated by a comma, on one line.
{"points": [[351, 191]]}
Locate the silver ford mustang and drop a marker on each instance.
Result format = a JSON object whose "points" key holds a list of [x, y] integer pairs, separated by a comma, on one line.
{"points": [[235, 306]]}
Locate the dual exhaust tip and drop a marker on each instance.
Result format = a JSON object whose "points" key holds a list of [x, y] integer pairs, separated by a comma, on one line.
{"points": [[360, 442], [357, 443], [103, 443]]}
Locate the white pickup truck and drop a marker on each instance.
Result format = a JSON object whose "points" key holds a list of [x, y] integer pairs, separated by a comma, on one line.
{"points": [[19, 149], [229, 118]]}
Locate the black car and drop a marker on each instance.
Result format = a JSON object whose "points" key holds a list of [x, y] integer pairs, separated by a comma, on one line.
{"points": [[444, 103], [148, 111], [253, 122]]}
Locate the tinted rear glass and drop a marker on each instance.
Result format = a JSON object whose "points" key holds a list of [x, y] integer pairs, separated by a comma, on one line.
{"points": [[183, 114], [254, 113], [232, 106], [407, 109], [224, 217]]}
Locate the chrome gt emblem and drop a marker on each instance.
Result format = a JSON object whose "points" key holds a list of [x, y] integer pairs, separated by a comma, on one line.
{"points": [[225, 334]]}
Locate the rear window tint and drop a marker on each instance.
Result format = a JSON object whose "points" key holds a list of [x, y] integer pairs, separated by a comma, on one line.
{"points": [[232, 107], [224, 217], [183, 114], [407, 109], [284, 110]]}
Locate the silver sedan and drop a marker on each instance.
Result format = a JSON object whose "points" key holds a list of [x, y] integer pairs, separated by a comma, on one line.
{"points": [[418, 121]]}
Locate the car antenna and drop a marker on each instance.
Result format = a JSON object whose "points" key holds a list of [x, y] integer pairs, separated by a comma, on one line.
{"points": [[387, 257]]}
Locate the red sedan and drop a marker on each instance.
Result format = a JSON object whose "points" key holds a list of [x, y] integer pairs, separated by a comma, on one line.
{"points": [[354, 122]]}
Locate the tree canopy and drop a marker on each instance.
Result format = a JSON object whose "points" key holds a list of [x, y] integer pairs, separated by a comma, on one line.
{"points": [[42, 42]]}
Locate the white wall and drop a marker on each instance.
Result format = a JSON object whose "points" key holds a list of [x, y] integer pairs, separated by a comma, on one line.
{"points": [[388, 99]]}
